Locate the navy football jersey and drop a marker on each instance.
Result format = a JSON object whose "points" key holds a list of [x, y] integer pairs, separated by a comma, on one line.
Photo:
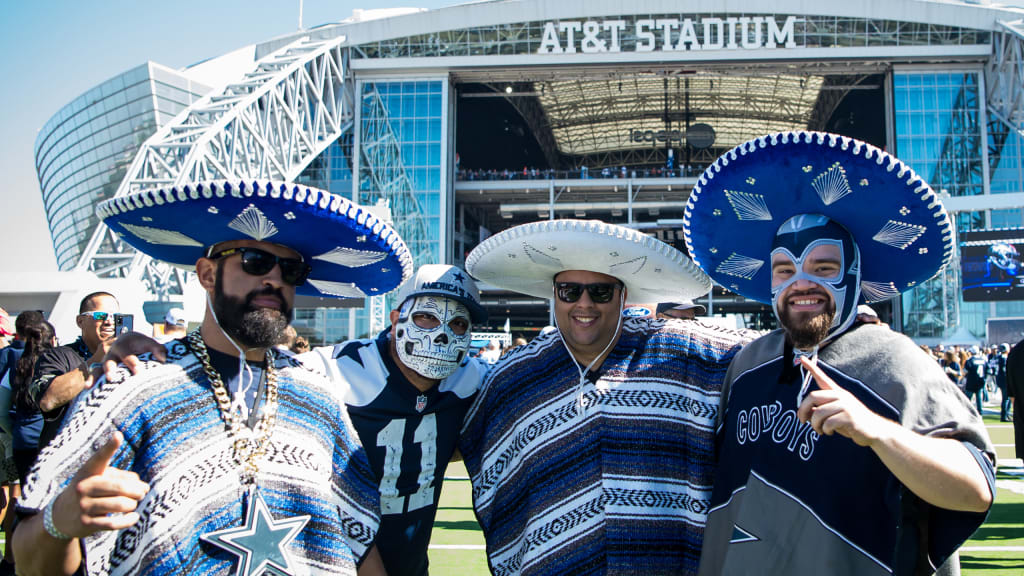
{"points": [[409, 436]]}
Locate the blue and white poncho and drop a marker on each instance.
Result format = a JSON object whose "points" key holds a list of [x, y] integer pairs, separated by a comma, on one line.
{"points": [[612, 476], [176, 441]]}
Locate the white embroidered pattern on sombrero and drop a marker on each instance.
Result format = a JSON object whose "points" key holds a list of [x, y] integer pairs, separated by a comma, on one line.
{"points": [[160, 236], [899, 234], [633, 266], [831, 185], [877, 291], [253, 223], [904, 212], [539, 257], [748, 206], [740, 266], [351, 257], [342, 289]]}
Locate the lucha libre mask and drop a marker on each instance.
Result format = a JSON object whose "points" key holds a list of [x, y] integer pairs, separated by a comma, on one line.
{"points": [[437, 351], [795, 239]]}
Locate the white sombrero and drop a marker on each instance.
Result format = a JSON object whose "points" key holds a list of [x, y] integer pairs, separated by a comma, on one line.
{"points": [[353, 254], [526, 258]]}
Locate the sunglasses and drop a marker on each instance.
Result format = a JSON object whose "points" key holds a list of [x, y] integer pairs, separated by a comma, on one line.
{"points": [[98, 316], [600, 292], [259, 262]]}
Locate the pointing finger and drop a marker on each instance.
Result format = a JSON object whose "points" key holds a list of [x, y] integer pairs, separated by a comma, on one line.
{"points": [[824, 382]]}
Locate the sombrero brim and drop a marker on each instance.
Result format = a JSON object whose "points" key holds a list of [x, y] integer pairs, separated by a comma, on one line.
{"points": [[526, 258], [353, 254], [903, 232]]}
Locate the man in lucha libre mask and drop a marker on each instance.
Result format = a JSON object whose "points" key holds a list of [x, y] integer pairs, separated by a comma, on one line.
{"points": [[840, 441]]}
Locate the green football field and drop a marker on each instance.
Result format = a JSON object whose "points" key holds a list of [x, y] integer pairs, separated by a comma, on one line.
{"points": [[996, 549]]}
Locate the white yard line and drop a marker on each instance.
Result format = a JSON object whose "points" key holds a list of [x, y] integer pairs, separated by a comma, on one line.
{"points": [[992, 548]]}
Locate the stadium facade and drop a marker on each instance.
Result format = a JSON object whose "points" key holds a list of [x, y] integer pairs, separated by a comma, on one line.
{"points": [[466, 120]]}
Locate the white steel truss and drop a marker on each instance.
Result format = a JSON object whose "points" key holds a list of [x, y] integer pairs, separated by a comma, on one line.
{"points": [[1004, 75], [270, 125], [383, 172]]}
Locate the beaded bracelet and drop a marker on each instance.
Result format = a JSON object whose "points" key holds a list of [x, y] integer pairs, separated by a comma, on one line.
{"points": [[51, 529]]}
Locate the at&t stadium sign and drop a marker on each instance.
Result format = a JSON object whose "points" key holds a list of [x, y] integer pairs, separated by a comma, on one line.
{"points": [[668, 35]]}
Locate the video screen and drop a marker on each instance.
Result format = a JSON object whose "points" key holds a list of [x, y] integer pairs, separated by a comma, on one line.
{"points": [[991, 265]]}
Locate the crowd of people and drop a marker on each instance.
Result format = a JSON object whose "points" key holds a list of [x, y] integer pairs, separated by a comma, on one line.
{"points": [[610, 443], [979, 371], [583, 172]]}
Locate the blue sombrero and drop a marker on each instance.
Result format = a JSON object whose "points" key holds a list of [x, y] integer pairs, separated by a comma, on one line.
{"points": [[353, 254], [903, 232]]}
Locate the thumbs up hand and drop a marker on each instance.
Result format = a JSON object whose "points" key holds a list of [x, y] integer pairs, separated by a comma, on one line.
{"points": [[100, 497]]}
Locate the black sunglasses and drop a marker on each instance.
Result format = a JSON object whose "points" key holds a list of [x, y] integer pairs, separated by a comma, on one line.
{"points": [[258, 262], [600, 292]]}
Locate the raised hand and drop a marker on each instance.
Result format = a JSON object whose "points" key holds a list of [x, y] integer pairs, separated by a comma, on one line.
{"points": [[126, 350], [834, 410], [100, 497]]}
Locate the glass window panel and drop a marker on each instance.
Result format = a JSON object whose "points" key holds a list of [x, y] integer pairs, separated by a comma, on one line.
{"points": [[914, 99], [408, 107], [423, 105]]}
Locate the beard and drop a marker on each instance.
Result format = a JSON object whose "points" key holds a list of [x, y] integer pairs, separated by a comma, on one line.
{"points": [[252, 327], [806, 330]]}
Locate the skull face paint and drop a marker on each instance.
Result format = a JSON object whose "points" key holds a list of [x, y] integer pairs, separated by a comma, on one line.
{"points": [[432, 335]]}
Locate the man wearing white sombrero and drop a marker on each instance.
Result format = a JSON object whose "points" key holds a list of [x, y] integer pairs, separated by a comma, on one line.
{"points": [[229, 458], [590, 448], [842, 447]]}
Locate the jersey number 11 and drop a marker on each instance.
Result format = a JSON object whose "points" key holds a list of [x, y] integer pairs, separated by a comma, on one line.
{"points": [[390, 437]]}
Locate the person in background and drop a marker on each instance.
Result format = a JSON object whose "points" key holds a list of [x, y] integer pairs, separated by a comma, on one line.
{"points": [[174, 325], [684, 310], [975, 369], [62, 372], [998, 368], [20, 422], [491, 353], [951, 366], [300, 346], [7, 331], [1015, 389]]}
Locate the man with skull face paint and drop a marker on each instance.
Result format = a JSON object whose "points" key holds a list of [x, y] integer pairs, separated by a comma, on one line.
{"points": [[841, 446], [408, 390]]}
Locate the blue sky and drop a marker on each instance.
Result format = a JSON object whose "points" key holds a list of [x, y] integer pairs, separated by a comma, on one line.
{"points": [[54, 50]]}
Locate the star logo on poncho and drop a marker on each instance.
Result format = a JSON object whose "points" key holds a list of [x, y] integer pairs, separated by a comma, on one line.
{"points": [[739, 535], [261, 542]]}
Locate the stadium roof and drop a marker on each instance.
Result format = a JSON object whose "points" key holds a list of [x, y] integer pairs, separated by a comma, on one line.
{"points": [[595, 105]]}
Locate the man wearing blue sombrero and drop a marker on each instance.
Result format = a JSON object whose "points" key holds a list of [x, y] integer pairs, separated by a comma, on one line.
{"points": [[229, 459], [842, 448], [590, 449]]}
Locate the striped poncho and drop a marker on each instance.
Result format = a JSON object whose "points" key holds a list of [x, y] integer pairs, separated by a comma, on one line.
{"points": [[176, 441], [611, 476]]}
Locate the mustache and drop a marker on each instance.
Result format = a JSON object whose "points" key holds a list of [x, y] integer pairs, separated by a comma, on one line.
{"points": [[811, 292], [266, 291]]}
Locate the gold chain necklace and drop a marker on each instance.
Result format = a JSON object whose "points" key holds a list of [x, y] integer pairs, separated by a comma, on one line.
{"points": [[248, 447]]}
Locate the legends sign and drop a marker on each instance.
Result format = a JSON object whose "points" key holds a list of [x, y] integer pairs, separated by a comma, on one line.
{"points": [[667, 35]]}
